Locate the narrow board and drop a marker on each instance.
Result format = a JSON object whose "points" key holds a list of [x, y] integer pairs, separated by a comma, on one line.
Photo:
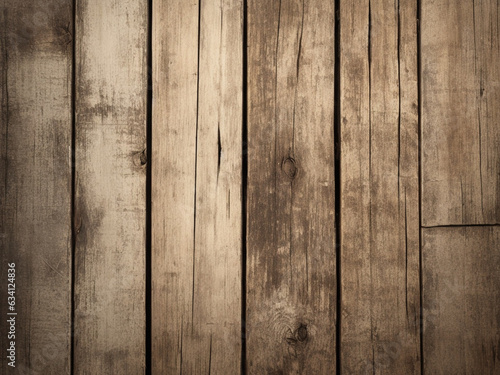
{"points": [[110, 187], [460, 112], [461, 300], [35, 184], [196, 187], [291, 275], [379, 188]]}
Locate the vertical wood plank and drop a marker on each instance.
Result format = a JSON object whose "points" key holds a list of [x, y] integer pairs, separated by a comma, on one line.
{"points": [[110, 203], [460, 112], [379, 181], [291, 285], [461, 300], [35, 182], [196, 187]]}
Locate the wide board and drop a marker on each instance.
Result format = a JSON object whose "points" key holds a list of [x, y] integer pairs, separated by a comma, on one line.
{"points": [[110, 187], [36, 40], [291, 235], [379, 177]]}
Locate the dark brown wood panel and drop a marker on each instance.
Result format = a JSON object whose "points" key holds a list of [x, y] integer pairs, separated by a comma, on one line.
{"points": [[35, 184], [110, 187], [291, 275], [379, 188], [460, 112], [461, 300]]}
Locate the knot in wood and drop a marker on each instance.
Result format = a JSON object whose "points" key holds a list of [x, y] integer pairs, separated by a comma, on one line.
{"points": [[143, 157], [302, 333], [298, 337], [140, 158], [289, 167]]}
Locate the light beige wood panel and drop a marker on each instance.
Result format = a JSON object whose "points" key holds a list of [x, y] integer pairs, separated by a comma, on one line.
{"points": [[35, 183], [291, 275], [379, 181], [196, 187], [460, 112], [110, 202], [461, 300]]}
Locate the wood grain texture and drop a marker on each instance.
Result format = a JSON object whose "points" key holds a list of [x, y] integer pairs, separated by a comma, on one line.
{"points": [[461, 300], [379, 188], [460, 112], [196, 187], [291, 276], [35, 182], [110, 185]]}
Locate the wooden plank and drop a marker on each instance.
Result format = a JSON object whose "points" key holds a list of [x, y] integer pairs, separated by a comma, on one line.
{"points": [[461, 300], [460, 112], [35, 183], [379, 182], [110, 202], [196, 187], [291, 277]]}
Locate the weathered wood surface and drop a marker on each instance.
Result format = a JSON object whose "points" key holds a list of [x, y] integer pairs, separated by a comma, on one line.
{"points": [[196, 187], [291, 276], [460, 49], [461, 300], [379, 188], [460, 112], [197, 192], [35, 182], [110, 187]]}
